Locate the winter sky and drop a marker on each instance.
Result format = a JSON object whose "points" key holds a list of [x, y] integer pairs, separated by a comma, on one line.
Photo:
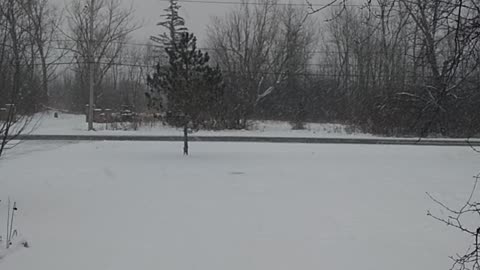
{"points": [[197, 15]]}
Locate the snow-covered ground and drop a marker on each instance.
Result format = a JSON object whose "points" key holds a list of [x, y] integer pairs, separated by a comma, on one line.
{"points": [[142, 205], [71, 124]]}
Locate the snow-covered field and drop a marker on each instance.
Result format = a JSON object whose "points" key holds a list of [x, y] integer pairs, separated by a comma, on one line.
{"points": [[71, 124], [231, 206]]}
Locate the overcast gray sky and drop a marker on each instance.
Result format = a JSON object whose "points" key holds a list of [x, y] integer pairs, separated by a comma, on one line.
{"points": [[197, 15]]}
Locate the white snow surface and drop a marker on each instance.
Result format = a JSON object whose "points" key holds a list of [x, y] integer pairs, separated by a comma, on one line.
{"points": [[235, 206], [74, 124]]}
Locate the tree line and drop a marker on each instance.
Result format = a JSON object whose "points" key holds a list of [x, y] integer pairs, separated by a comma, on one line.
{"points": [[390, 67], [393, 67]]}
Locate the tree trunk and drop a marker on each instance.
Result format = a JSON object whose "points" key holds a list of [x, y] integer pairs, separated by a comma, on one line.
{"points": [[44, 97], [185, 140], [44, 92]]}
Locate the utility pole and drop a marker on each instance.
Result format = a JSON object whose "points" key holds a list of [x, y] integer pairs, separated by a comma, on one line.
{"points": [[91, 57]]}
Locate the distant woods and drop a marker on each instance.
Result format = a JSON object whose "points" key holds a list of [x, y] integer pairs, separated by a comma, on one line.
{"points": [[390, 67]]}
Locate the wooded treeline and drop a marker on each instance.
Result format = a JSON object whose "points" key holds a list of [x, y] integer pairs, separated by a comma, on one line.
{"points": [[392, 67]]}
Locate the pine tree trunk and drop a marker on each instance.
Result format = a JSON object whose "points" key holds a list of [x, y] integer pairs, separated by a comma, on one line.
{"points": [[185, 141]]}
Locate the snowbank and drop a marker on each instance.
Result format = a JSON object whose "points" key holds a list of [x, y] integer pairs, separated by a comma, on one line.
{"points": [[71, 124]]}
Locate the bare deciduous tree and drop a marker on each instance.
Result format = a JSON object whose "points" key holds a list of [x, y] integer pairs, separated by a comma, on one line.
{"points": [[466, 220], [258, 48], [450, 50], [112, 25], [18, 74], [45, 20]]}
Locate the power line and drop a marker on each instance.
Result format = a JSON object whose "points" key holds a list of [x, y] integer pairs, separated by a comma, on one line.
{"points": [[154, 63], [406, 77], [261, 4], [306, 74], [208, 49]]}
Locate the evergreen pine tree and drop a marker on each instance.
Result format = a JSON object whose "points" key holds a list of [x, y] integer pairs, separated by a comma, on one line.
{"points": [[188, 87], [175, 25]]}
